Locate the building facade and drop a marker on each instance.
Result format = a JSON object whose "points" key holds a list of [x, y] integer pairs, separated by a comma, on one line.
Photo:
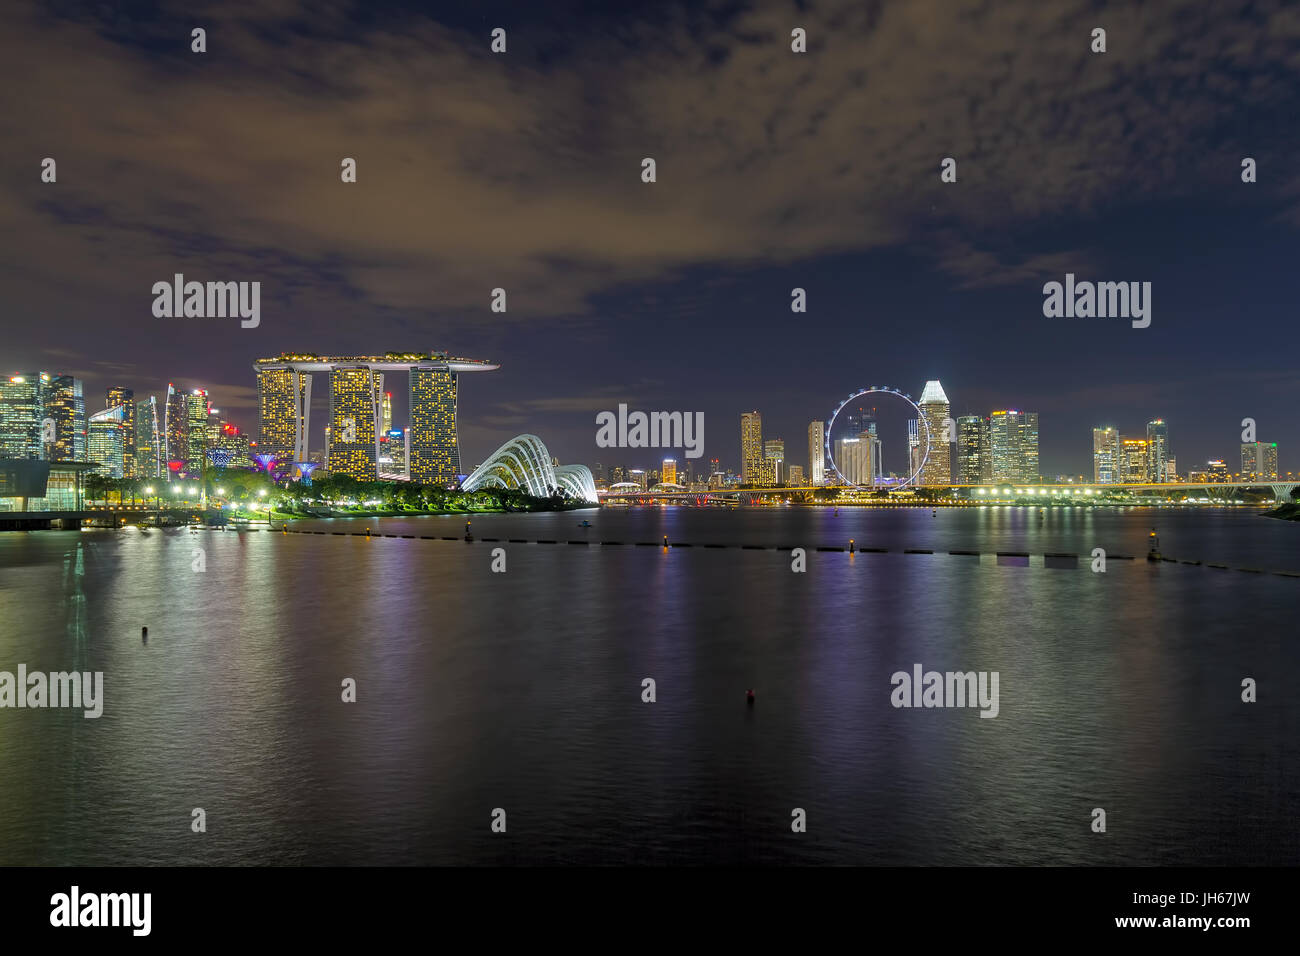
{"points": [[751, 448], [935, 408]]}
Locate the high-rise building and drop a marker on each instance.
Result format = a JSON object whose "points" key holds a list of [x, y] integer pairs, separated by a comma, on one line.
{"points": [[197, 405], [853, 456], [1171, 469], [1259, 460], [230, 447], [1158, 445], [972, 445], [1136, 457], [386, 413], [148, 448], [816, 453], [1013, 447], [176, 430], [22, 415], [669, 475], [935, 408], [284, 403], [65, 407], [435, 448], [354, 423], [125, 397], [794, 476], [1105, 456], [751, 447], [106, 439], [774, 450]]}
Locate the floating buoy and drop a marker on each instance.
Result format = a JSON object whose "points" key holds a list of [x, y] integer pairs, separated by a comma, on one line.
{"points": [[1154, 553], [850, 552], [468, 536], [144, 634], [749, 697]]}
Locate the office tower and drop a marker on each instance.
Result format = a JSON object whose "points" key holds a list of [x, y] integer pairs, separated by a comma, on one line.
{"points": [[915, 451], [1004, 445], [1259, 460], [934, 408], [230, 447], [197, 434], [1105, 456], [176, 430], [125, 397], [65, 406], [853, 456], [638, 477], [354, 420], [774, 451], [1158, 444], [284, 404], [794, 476], [1171, 469], [106, 439], [147, 439], [1029, 472], [816, 453], [386, 413], [435, 448], [1217, 469], [972, 442], [22, 416], [392, 452], [669, 475], [1136, 457], [751, 447]]}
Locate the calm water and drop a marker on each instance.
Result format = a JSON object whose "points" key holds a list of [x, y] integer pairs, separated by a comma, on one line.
{"points": [[522, 691]]}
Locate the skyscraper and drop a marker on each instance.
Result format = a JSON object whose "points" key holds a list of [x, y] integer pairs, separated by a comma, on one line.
{"points": [[751, 447], [934, 408], [774, 451], [1136, 457], [386, 413], [853, 456], [147, 439], [126, 397], [199, 437], [1013, 446], [176, 430], [669, 474], [1158, 442], [1029, 472], [816, 453], [1105, 456], [354, 420], [972, 446], [284, 401], [435, 448], [22, 415], [1259, 460], [65, 406], [106, 439]]}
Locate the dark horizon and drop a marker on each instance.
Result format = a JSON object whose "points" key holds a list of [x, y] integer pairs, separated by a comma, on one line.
{"points": [[775, 170]]}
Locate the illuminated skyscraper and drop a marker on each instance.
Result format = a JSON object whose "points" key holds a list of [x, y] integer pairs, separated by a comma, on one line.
{"points": [[435, 447], [1158, 440], [65, 406], [386, 413], [197, 432], [22, 415], [1136, 456], [934, 407], [669, 474], [106, 440], [816, 453], [147, 439], [1259, 460], [774, 451], [1105, 456], [1005, 428], [230, 447], [176, 428], [354, 420], [1029, 472], [126, 397], [284, 403], [853, 456], [972, 449], [751, 447]]}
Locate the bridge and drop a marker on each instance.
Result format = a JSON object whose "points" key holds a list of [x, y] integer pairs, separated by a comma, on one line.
{"points": [[974, 494]]}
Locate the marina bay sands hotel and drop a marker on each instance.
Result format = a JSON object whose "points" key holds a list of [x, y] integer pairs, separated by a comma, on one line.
{"points": [[356, 399]]}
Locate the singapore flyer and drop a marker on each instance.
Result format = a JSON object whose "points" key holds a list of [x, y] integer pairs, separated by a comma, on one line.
{"points": [[877, 390]]}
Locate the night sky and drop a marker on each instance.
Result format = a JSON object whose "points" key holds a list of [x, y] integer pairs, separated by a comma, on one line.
{"points": [[775, 170]]}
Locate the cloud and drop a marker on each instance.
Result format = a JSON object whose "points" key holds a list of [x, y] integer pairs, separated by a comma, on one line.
{"points": [[478, 171]]}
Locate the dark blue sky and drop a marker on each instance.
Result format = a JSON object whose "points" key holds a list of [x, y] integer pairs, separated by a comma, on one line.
{"points": [[775, 170]]}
